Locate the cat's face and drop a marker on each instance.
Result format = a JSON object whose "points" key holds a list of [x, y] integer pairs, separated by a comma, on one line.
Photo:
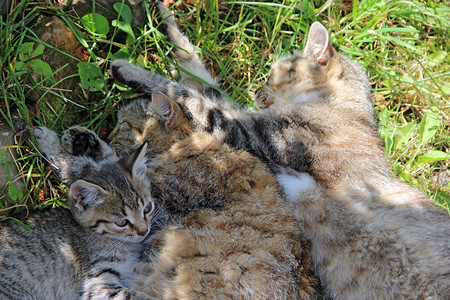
{"points": [[313, 74], [160, 122], [115, 201]]}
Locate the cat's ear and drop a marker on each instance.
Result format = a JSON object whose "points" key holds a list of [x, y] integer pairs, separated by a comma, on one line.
{"points": [[135, 163], [318, 46], [168, 109], [85, 194]]}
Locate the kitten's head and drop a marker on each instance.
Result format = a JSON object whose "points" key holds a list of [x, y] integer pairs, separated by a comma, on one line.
{"points": [[113, 198], [315, 73], [160, 121]]}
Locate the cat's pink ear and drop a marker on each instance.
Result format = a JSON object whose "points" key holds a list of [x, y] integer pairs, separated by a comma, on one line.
{"points": [[168, 109], [85, 194], [318, 46]]}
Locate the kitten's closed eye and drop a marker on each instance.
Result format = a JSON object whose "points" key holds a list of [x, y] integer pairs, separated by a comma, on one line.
{"points": [[122, 222]]}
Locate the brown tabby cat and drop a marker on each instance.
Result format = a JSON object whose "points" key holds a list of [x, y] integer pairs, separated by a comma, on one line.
{"points": [[88, 252], [233, 236], [373, 237]]}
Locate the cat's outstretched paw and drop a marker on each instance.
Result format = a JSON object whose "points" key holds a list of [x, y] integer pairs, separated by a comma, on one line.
{"points": [[138, 78], [48, 140], [80, 141], [127, 73], [51, 148]]}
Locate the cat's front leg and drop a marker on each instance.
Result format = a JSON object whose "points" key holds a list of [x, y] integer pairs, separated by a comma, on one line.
{"points": [[67, 166], [140, 79], [206, 112], [52, 150]]}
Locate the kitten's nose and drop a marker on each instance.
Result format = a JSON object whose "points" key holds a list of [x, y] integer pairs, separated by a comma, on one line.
{"points": [[142, 232]]}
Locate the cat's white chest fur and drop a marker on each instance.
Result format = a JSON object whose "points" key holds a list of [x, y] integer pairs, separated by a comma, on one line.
{"points": [[294, 185]]}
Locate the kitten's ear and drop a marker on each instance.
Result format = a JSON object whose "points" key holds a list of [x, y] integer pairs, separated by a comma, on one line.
{"points": [[135, 163], [318, 46], [168, 109], [85, 194]]}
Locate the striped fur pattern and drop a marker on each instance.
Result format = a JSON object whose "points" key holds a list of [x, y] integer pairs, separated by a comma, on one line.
{"points": [[88, 252], [232, 235], [372, 236]]}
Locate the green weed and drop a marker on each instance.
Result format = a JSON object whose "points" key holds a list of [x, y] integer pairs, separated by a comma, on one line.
{"points": [[402, 44]]}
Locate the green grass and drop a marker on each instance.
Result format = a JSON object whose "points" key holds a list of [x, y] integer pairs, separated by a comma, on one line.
{"points": [[402, 44]]}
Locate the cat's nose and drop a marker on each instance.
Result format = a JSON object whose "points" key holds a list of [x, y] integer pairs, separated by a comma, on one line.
{"points": [[142, 232]]}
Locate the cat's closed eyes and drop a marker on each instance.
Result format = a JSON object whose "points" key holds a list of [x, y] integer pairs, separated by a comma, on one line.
{"points": [[230, 233], [237, 238], [232, 236], [87, 252], [372, 236]]}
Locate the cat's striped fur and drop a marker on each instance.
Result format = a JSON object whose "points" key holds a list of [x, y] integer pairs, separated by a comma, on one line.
{"points": [[88, 252], [233, 237], [372, 236], [237, 238]]}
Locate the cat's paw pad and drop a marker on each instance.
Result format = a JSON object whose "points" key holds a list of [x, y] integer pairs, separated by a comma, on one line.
{"points": [[80, 141]]}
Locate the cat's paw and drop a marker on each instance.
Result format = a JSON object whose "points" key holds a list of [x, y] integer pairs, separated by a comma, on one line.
{"points": [[127, 73], [47, 139], [51, 148], [80, 141], [263, 97], [138, 78]]}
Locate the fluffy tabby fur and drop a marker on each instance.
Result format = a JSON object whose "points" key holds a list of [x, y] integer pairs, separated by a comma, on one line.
{"points": [[232, 235], [373, 237], [88, 252]]}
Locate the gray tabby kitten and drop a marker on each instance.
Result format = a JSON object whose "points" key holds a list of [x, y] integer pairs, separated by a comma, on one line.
{"points": [[372, 236], [87, 252]]}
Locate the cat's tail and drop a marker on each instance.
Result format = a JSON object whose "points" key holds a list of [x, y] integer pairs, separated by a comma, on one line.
{"points": [[189, 68]]}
